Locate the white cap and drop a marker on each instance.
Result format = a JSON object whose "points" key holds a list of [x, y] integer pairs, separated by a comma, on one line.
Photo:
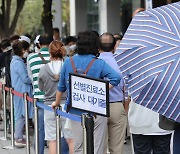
{"points": [[37, 39], [25, 38]]}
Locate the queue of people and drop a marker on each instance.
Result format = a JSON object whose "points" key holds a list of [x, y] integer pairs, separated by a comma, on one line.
{"points": [[44, 74]]}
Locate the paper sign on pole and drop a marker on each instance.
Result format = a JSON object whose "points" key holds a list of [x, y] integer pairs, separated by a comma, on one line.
{"points": [[89, 94], [148, 4]]}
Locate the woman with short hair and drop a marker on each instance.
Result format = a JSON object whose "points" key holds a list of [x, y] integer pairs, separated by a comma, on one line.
{"points": [[21, 83]]}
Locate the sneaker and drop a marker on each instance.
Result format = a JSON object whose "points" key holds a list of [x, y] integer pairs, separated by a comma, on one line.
{"points": [[127, 137], [1, 117], [31, 124], [20, 142]]}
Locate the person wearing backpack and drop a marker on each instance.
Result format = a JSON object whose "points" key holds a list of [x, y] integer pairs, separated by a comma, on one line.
{"points": [[86, 62]]}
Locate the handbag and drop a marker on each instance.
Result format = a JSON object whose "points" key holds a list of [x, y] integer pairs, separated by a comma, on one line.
{"points": [[167, 124]]}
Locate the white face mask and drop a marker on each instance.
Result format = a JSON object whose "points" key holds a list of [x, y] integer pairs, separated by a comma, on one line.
{"points": [[72, 47], [7, 49], [25, 54]]}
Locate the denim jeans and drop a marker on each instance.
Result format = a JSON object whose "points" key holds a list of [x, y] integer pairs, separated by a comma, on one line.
{"points": [[19, 128], [41, 130]]}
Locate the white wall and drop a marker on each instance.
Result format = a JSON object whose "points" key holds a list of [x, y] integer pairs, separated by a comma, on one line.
{"points": [[103, 23], [57, 22], [78, 16], [72, 7], [109, 17]]}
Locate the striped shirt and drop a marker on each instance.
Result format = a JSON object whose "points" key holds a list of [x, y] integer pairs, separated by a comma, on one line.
{"points": [[35, 63]]}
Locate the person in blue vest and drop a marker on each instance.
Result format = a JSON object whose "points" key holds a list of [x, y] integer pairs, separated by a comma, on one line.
{"points": [[87, 49]]}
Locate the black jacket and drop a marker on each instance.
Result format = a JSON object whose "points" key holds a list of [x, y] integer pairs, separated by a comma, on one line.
{"points": [[5, 60]]}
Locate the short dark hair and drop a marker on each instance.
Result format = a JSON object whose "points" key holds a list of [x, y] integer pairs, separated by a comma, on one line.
{"points": [[107, 45], [56, 29], [0, 49], [95, 32], [14, 37], [87, 43], [18, 47], [28, 35], [118, 36], [25, 45], [70, 39], [5, 43], [45, 39]]}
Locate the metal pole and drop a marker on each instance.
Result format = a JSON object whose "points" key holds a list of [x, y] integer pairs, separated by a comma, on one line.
{"points": [[12, 118], [12, 122], [84, 133], [36, 127], [27, 123], [89, 123], [5, 115], [58, 132]]}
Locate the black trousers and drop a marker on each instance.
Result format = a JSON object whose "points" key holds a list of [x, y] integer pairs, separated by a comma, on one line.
{"points": [[176, 142], [151, 144]]}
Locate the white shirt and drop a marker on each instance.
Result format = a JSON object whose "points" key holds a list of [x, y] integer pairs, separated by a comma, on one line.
{"points": [[55, 66]]}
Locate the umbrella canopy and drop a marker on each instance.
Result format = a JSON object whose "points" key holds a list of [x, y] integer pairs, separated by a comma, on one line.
{"points": [[149, 57]]}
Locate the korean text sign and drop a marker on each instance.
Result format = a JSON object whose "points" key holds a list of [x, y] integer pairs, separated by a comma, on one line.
{"points": [[89, 94]]}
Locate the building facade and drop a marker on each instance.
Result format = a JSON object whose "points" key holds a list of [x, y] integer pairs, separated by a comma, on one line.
{"points": [[106, 15]]}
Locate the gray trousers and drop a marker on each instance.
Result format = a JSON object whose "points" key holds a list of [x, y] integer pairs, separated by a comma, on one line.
{"points": [[100, 126]]}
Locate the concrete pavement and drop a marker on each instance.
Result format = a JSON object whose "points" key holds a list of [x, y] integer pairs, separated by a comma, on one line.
{"points": [[127, 148]]}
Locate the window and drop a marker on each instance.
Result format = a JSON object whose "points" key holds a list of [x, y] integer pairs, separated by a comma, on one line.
{"points": [[92, 15]]}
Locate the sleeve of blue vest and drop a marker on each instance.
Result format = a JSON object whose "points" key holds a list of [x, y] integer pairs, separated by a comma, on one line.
{"points": [[62, 79]]}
